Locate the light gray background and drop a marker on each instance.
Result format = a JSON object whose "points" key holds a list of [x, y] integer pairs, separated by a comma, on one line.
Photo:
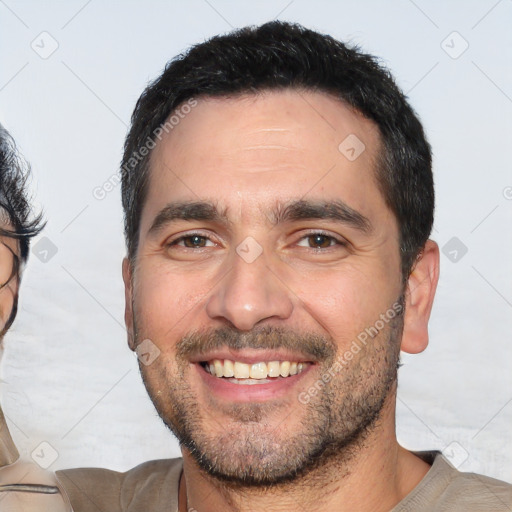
{"points": [[68, 378]]}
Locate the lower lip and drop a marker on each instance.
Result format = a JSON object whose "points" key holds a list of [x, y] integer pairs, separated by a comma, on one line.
{"points": [[279, 387]]}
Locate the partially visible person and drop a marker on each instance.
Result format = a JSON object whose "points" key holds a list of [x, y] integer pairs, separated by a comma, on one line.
{"points": [[24, 486]]}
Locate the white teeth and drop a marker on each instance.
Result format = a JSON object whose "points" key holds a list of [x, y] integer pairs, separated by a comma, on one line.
{"points": [[259, 371], [229, 368], [273, 368], [219, 370], [256, 372], [241, 370]]}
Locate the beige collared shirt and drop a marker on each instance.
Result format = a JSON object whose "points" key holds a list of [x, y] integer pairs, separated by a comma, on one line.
{"points": [[24, 486]]}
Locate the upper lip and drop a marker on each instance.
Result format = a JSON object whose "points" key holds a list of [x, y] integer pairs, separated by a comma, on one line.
{"points": [[251, 356]]}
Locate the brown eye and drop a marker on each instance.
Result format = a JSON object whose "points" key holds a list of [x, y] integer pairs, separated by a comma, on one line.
{"points": [[194, 241], [319, 241]]}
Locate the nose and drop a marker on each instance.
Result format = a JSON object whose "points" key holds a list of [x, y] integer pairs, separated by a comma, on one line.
{"points": [[248, 294]]}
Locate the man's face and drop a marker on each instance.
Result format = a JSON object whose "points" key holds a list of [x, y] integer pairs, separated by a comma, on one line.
{"points": [[261, 241]]}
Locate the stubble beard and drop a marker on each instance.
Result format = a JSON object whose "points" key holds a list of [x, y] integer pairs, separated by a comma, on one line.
{"points": [[247, 450]]}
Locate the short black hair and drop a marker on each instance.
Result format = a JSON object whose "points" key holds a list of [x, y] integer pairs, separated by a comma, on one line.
{"points": [[280, 55], [16, 215]]}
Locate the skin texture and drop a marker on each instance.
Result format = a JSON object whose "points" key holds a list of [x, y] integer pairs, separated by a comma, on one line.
{"points": [[9, 284], [252, 156]]}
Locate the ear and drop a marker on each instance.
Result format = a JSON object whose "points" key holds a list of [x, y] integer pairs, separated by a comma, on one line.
{"points": [[128, 307], [419, 297]]}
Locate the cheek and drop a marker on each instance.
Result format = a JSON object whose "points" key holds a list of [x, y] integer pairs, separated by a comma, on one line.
{"points": [[346, 301], [165, 301], [7, 298]]}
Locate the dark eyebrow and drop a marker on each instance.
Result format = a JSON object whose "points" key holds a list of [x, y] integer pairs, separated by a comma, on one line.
{"points": [[333, 210], [188, 211], [289, 212]]}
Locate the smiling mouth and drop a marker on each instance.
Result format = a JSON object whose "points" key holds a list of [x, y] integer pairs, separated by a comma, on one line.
{"points": [[257, 373]]}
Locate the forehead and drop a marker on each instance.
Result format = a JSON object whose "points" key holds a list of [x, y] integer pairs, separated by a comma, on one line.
{"points": [[261, 148]]}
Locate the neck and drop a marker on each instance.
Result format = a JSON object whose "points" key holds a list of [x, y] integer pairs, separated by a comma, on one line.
{"points": [[376, 476]]}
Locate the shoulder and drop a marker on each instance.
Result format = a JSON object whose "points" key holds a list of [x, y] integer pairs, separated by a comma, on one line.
{"points": [[26, 486], [479, 492], [155, 482], [93, 489], [445, 489]]}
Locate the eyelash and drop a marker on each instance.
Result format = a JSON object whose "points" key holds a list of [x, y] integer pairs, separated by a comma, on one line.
{"points": [[337, 241], [188, 235]]}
